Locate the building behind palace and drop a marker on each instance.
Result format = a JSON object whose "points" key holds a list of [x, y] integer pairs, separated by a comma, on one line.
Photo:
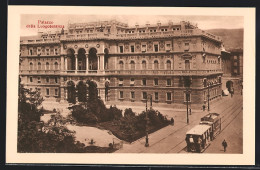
{"points": [[128, 64]]}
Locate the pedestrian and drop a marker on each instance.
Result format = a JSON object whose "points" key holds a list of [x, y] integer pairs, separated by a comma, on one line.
{"points": [[172, 121], [203, 107], [190, 111], [224, 144]]}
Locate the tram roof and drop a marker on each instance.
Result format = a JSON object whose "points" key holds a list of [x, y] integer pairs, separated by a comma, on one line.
{"points": [[198, 130], [210, 117]]}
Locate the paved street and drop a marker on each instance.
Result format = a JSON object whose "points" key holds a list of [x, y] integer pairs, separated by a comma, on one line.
{"points": [[171, 138]]}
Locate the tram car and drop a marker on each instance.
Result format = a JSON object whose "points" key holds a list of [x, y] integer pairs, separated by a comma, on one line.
{"points": [[213, 120], [199, 137]]}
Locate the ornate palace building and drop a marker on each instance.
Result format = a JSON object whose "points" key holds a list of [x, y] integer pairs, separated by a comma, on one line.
{"points": [[128, 64]]}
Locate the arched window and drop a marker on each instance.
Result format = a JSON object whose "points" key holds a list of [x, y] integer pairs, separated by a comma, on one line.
{"points": [[47, 66], [156, 65], [39, 66], [132, 64], [143, 64], [31, 66], [121, 65], [56, 66], [168, 65]]}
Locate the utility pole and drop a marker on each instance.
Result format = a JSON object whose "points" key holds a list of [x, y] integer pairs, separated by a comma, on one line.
{"points": [[187, 101], [146, 127], [187, 83], [208, 96]]}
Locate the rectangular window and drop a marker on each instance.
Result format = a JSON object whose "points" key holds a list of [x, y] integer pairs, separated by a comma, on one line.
{"points": [[56, 51], [132, 48], [132, 81], [132, 95], [47, 80], [121, 81], [39, 79], [187, 47], [121, 94], [56, 79], [31, 79], [169, 96], [144, 81], [38, 51], [156, 82], [47, 52], [47, 92], [145, 95], [168, 47], [156, 96], [121, 48], [56, 92], [143, 48], [169, 82], [156, 47]]}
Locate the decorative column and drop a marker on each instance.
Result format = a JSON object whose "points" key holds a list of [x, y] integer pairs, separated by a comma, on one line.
{"points": [[87, 67], [62, 62], [102, 62], [76, 62], [98, 62], [66, 63]]}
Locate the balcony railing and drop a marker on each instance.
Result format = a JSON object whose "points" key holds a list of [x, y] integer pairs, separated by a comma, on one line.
{"points": [[187, 32], [40, 41], [123, 72], [161, 72], [39, 71]]}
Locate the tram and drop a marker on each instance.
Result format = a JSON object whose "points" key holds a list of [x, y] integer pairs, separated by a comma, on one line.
{"points": [[213, 120], [200, 136]]}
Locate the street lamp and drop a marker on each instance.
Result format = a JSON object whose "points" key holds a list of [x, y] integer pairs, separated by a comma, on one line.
{"points": [[146, 119], [187, 83], [187, 102], [208, 95]]}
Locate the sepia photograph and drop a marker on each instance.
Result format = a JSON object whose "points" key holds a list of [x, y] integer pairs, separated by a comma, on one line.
{"points": [[166, 84]]}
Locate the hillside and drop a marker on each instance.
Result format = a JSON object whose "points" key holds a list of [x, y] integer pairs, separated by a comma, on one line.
{"points": [[232, 38]]}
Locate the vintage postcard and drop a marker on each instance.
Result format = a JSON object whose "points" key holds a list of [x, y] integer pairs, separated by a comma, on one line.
{"points": [[106, 85]]}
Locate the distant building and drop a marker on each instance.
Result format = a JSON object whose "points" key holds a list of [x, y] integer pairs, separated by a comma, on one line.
{"points": [[127, 63], [232, 66]]}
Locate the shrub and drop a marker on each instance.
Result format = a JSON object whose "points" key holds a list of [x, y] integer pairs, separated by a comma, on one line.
{"points": [[83, 115], [129, 112], [113, 113]]}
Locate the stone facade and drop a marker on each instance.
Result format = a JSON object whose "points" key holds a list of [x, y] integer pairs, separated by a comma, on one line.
{"points": [[128, 64]]}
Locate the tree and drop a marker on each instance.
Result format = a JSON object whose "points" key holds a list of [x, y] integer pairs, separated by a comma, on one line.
{"points": [[28, 103], [129, 112], [34, 135]]}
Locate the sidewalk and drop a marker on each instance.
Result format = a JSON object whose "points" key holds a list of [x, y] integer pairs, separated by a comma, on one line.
{"points": [[171, 138]]}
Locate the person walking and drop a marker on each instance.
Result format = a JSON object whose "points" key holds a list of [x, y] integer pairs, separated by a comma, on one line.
{"points": [[224, 144], [190, 111]]}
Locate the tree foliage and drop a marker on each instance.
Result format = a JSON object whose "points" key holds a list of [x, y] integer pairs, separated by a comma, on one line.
{"points": [[34, 135]]}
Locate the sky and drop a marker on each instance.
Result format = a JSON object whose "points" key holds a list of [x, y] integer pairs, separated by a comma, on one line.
{"points": [[203, 22]]}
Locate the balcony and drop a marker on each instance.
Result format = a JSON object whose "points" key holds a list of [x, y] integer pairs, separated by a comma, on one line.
{"points": [[40, 41], [121, 72], [39, 72], [162, 72], [188, 32]]}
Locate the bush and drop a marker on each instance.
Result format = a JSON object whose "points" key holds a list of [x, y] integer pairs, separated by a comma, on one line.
{"points": [[129, 112], [83, 115], [113, 113]]}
